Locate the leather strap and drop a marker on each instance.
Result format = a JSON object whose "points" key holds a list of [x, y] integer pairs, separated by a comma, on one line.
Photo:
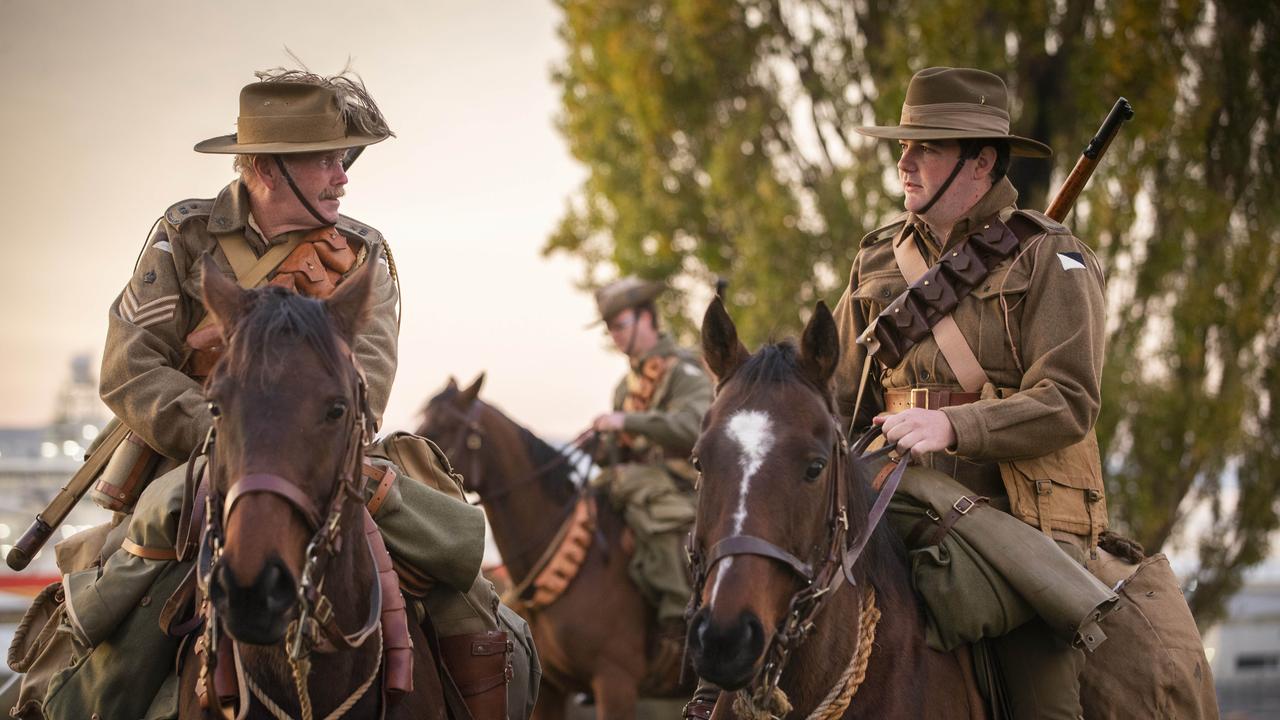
{"points": [[275, 485], [895, 401], [751, 545], [384, 487], [950, 340], [147, 553]]}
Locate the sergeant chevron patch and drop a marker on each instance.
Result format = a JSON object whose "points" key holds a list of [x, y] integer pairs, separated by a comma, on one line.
{"points": [[1071, 260], [148, 313]]}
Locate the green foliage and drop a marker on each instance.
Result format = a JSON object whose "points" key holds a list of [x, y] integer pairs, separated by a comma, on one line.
{"points": [[719, 140]]}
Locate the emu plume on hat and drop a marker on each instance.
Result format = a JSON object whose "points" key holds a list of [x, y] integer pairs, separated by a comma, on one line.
{"points": [[294, 111], [955, 104]]}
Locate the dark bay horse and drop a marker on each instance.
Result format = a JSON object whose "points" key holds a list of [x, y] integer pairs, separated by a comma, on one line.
{"points": [[285, 559], [597, 636], [771, 459]]}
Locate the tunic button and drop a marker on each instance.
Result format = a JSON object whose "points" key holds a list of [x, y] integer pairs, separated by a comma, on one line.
{"points": [[885, 293], [924, 375], [145, 601]]}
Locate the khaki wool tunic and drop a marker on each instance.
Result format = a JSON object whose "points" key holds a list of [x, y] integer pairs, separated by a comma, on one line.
{"points": [[1036, 325], [142, 381], [674, 417]]}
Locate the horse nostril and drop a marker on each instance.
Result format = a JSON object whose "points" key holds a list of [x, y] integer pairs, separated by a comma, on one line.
{"points": [[698, 629], [754, 634], [277, 584]]}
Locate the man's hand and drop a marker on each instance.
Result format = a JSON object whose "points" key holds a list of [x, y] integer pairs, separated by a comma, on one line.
{"points": [[919, 431], [611, 422]]}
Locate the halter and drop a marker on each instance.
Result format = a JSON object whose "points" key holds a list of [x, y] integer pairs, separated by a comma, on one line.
{"points": [[316, 627], [836, 564]]}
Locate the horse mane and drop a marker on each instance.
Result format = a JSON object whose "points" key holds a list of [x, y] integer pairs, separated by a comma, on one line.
{"points": [[558, 479], [274, 314], [778, 363]]}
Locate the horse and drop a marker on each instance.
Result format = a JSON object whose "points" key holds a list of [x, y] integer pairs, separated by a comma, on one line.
{"points": [[805, 606], [783, 617], [596, 636], [287, 559]]}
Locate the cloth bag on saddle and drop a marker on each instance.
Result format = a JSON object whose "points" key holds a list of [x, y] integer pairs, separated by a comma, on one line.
{"points": [[989, 572]]}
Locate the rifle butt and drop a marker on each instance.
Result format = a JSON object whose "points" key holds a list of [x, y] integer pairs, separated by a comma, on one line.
{"points": [[29, 544]]}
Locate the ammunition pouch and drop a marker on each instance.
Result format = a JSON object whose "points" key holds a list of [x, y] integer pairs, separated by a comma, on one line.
{"points": [[1060, 491]]}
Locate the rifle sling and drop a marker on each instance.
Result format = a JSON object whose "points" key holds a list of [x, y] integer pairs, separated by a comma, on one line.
{"points": [[250, 270]]}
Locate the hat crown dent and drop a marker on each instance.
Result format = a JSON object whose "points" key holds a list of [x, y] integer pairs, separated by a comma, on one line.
{"points": [[290, 117], [938, 85]]}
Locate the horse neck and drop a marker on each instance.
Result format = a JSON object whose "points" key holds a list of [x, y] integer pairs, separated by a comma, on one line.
{"points": [[896, 666], [525, 512]]}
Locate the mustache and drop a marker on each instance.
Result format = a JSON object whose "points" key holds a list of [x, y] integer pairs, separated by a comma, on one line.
{"points": [[333, 194]]}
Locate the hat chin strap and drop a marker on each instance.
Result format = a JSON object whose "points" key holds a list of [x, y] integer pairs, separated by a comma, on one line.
{"points": [[950, 178], [298, 193]]}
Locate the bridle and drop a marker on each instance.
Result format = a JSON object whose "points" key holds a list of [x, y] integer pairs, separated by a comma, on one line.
{"points": [[834, 567], [469, 440], [315, 627]]}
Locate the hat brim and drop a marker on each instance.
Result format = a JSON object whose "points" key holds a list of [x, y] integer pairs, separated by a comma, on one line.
{"points": [[1020, 146], [227, 145]]}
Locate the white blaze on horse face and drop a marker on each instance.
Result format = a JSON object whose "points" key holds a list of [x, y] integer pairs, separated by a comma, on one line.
{"points": [[752, 430]]}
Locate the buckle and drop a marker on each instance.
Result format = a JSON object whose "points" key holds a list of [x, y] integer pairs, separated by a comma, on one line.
{"points": [[963, 504], [1044, 487], [919, 398]]}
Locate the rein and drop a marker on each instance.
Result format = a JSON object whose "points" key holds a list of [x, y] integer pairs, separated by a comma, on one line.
{"points": [[835, 568], [315, 627]]}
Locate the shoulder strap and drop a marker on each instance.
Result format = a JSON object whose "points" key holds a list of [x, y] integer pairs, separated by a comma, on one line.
{"points": [[947, 334], [250, 270]]}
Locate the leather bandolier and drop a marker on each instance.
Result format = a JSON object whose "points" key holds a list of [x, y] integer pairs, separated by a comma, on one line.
{"points": [[913, 314], [642, 385]]}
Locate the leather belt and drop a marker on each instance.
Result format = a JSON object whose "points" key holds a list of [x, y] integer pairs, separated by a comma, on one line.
{"points": [[896, 401]]}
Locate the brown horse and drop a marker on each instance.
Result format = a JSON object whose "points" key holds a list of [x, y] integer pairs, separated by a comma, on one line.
{"points": [[597, 636], [284, 559], [772, 462]]}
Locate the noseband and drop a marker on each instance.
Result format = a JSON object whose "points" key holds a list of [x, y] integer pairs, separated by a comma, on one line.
{"points": [[836, 564]]}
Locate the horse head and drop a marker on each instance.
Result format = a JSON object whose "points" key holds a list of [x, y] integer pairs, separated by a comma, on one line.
{"points": [[290, 417], [770, 457]]}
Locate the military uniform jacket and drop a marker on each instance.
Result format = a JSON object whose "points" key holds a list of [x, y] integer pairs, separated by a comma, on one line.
{"points": [[142, 380], [1036, 325], [681, 398]]}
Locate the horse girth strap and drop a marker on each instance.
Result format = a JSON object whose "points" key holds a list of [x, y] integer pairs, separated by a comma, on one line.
{"points": [[933, 295], [752, 545]]}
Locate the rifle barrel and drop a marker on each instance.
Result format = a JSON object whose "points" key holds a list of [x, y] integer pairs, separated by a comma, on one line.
{"points": [[1089, 159]]}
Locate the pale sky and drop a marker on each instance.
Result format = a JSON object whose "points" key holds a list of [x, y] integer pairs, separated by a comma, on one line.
{"points": [[104, 101]]}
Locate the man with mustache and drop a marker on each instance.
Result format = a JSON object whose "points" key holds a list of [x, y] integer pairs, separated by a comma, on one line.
{"points": [[277, 223]]}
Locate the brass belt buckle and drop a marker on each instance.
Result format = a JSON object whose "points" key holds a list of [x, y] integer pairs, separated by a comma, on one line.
{"points": [[919, 398]]}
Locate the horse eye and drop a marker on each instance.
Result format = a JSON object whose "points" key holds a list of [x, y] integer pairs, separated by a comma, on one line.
{"points": [[697, 465], [336, 411], [815, 469], [215, 410]]}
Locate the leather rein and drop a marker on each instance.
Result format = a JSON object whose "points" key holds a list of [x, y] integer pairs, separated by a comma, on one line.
{"points": [[316, 627], [835, 565]]}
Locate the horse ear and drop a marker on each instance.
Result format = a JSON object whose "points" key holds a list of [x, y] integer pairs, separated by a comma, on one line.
{"points": [[452, 384], [820, 346], [349, 303], [222, 297], [721, 348], [472, 392]]}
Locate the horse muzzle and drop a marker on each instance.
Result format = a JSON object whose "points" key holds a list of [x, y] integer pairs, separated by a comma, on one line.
{"points": [[260, 613], [726, 653]]}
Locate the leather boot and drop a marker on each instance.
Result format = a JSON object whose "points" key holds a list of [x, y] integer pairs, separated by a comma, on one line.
{"points": [[480, 665], [703, 702]]}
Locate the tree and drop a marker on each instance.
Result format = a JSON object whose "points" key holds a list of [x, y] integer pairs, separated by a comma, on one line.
{"points": [[718, 138]]}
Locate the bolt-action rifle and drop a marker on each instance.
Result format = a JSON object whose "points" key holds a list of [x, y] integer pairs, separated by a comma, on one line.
{"points": [[1088, 162]]}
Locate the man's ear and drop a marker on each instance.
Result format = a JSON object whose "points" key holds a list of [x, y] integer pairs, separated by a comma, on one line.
{"points": [[264, 167], [985, 163]]}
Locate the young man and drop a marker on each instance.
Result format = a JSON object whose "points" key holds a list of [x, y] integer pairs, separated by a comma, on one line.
{"points": [[657, 414], [277, 223], [1003, 394]]}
